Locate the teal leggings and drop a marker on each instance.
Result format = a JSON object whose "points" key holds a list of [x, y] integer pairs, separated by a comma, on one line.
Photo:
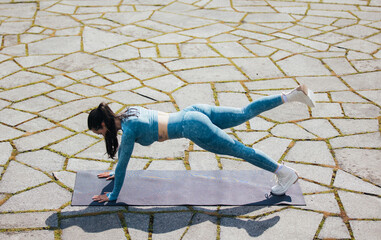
{"points": [[203, 125]]}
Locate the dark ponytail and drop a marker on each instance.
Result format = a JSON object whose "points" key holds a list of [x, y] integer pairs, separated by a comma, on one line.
{"points": [[104, 114]]}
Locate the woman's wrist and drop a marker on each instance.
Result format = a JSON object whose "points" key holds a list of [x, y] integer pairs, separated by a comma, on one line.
{"points": [[110, 197]]}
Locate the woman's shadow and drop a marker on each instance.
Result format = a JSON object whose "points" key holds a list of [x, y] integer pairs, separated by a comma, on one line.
{"points": [[100, 217], [96, 219]]}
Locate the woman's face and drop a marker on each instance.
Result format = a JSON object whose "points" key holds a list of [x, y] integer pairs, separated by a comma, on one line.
{"points": [[100, 131]]}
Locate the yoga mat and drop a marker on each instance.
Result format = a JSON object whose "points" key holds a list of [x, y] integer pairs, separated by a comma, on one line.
{"points": [[200, 188]]}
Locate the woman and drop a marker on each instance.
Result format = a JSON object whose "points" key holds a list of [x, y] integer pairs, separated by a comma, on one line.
{"points": [[200, 123]]}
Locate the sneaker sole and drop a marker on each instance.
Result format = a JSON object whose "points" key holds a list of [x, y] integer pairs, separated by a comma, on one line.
{"points": [[309, 96]]}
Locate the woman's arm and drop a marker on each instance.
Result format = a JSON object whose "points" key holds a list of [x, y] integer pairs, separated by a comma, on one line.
{"points": [[124, 153]]}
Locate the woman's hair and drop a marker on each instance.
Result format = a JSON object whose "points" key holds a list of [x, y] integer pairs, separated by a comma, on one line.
{"points": [[104, 114]]}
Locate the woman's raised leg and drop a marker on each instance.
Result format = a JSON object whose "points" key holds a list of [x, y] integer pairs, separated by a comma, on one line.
{"points": [[227, 117]]}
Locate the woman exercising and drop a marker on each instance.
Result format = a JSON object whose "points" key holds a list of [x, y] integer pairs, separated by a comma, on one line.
{"points": [[200, 123]]}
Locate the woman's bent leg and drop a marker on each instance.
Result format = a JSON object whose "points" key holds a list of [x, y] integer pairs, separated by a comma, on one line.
{"points": [[226, 117], [199, 129]]}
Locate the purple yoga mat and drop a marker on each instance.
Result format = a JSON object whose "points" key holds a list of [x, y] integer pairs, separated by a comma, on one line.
{"points": [[207, 188]]}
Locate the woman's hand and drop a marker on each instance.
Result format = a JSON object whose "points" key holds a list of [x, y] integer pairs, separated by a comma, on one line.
{"points": [[106, 174], [101, 198]]}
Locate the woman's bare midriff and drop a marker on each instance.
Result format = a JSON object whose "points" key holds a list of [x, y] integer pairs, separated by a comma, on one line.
{"points": [[163, 126]]}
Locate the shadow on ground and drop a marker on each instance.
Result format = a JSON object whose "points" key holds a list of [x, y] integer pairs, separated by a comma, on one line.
{"points": [[165, 219]]}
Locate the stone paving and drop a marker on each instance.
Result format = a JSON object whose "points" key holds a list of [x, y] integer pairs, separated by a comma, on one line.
{"points": [[60, 59]]}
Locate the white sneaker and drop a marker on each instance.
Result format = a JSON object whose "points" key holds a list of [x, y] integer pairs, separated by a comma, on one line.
{"points": [[300, 94], [286, 176]]}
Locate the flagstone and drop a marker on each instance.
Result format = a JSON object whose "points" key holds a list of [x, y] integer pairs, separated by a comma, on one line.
{"points": [[86, 90], [9, 133], [194, 50], [367, 65], [238, 100], [366, 229], [231, 49], [56, 22], [212, 74], [75, 164], [312, 44], [77, 123], [135, 32], [271, 225], [143, 68], [353, 126], [272, 84], [21, 78], [126, 97], [267, 146], [359, 45], [288, 112], [5, 152], [301, 66], [31, 61], [207, 31], [19, 177], [67, 147], [29, 220], [347, 181], [26, 10], [260, 124], [55, 45], [17, 50], [330, 38], [14, 117], [327, 110], [170, 225], [320, 127], [354, 208], [287, 45], [167, 83], [35, 125], [364, 81], [376, 38], [168, 50], [7, 68], [157, 26], [181, 21], [358, 110], [340, 66], [290, 130], [43, 159], [25, 92], [128, 17], [150, 93], [310, 151], [78, 61], [35, 234], [372, 140], [348, 160], [8, 27], [258, 68], [318, 174], [95, 40], [46, 70], [41, 139], [96, 151], [69, 109], [334, 227], [181, 64], [322, 202], [268, 17], [125, 85], [323, 83], [63, 96]]}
